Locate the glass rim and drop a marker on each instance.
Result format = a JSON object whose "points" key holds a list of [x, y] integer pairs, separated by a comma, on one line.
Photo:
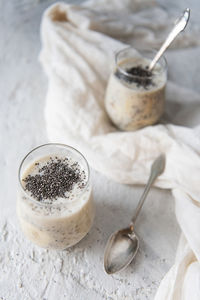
{"points": [[30, 198], [141, 49]]}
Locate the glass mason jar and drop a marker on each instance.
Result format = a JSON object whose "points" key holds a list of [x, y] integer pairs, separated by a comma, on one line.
{"points": [[61, 223], [136, 99]]}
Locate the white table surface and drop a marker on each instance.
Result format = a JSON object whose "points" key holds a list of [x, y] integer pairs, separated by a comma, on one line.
{"points": [[28, 272]]}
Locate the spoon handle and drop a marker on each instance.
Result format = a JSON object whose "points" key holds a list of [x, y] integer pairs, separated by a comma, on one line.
{"points": [[179, 26], [157, 169]]}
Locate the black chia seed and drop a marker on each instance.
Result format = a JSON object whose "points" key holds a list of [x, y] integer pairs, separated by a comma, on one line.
{"points": [[141, 76], [54, 179]]}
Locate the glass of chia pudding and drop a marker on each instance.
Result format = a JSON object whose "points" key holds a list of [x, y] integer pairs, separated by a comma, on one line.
{"points": [[135, 96], [55, 205]]}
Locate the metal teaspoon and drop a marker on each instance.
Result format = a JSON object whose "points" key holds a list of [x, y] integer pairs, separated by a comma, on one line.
{"points": [[179, 26], [123, 245]]}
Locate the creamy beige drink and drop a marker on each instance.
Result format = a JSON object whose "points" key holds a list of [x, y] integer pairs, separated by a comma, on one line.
{"points": [[55, 205], [135, 96]]}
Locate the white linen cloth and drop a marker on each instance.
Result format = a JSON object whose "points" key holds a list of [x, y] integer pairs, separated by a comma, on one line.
{"points": [[78, 45]]}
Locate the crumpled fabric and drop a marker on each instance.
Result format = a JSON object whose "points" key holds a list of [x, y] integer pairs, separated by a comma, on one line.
{"points": [[78, 46]]}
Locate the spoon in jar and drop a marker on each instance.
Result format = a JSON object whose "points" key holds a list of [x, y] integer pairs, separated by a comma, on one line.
{"points": [[123, 245], [179, 26]]}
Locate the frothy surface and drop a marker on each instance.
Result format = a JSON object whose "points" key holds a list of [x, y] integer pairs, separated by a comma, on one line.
{"points": [[138, 77], [54, 179]]}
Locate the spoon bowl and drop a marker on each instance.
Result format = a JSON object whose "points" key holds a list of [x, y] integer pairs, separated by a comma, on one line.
{"points": [[121, 248]]}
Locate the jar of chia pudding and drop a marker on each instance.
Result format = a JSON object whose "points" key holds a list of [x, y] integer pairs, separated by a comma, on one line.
{"points": [[55, 205], [135, 96]]}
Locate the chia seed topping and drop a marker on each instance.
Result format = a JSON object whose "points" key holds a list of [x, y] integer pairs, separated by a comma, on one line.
{"points": [[54, 179], [140, 75]]}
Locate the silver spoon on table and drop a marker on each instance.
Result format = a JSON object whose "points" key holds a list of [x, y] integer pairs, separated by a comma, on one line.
{"points": [[123, 245], [179, 26]]}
